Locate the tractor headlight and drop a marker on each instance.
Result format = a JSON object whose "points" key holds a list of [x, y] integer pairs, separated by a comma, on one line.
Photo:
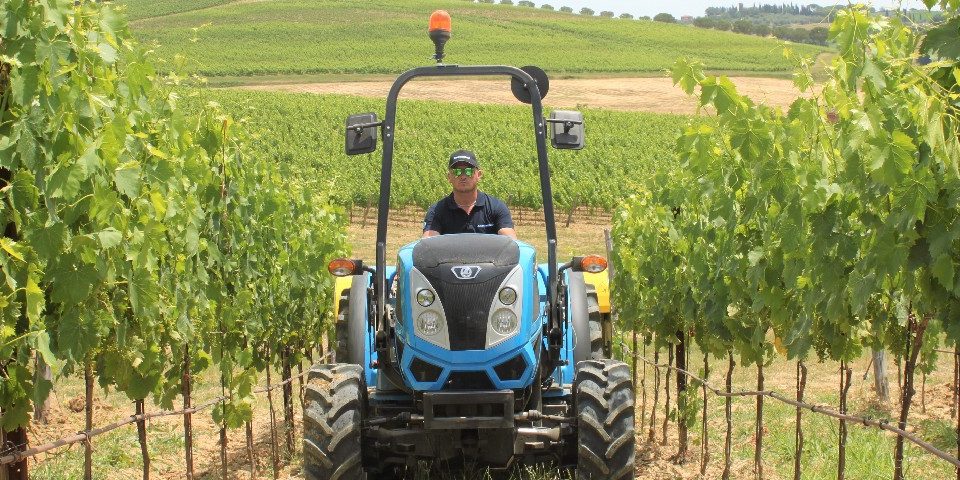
{"points": [[428, 323], [507, 296], [425, 297], [504, 321]]}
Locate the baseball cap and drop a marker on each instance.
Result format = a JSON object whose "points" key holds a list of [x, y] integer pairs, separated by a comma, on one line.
{"points": [[463, 156]]}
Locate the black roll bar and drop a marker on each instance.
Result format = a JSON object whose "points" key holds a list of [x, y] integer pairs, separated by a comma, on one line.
{"points": [[388, 131]]}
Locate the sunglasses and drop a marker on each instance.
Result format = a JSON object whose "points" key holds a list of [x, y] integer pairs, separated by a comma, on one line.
{"points": [[458, 171]]}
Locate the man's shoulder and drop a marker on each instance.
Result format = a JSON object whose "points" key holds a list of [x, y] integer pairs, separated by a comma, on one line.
{"points": [[492, 200]]}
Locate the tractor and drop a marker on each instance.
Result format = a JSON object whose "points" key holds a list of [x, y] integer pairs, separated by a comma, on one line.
{"points": [[466, 351]]}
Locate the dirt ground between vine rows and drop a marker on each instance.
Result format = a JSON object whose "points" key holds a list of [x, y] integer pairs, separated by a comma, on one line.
{"points": [[657, 95]]}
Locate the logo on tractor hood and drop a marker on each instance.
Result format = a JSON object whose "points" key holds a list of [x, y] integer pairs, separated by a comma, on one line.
{"points": [[466, 272]]}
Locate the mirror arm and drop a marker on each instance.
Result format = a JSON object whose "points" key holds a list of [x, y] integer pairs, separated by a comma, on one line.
{"points": [[567, 124], [360, 126]]}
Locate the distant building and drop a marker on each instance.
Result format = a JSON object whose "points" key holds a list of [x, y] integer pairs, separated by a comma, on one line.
{"points": [[686, 19]]}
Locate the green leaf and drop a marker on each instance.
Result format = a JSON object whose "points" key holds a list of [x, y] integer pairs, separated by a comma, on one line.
{"points": [[72, 283], [943, 41], [127, 179], [687, 75], [35, 301], [109, 238], [48, 240], [24, 85], [64, 182], [943, 270]]}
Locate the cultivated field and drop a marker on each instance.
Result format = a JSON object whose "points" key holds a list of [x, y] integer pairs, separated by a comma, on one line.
{"points": [[377, 37]]}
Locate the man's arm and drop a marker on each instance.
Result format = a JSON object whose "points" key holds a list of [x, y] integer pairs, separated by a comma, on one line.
{"points": [[505, 221], [428, 228]]}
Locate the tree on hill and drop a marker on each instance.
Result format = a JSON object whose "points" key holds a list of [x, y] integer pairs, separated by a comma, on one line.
{"points": [[762, 30], [626, 16], [704, 22], [665, 18], [566, 9], [486, 1], [546, 6], [722, 25], [526, 3], [743, 26], [506, 2], [645, 17], [586, 12], [818, 35], [606, 14]]}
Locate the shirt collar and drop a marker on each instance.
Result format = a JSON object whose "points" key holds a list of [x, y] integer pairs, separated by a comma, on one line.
{"points": [[481, 201]]}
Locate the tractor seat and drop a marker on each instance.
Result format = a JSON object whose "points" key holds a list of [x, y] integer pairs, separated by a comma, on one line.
{"points": [[466, 248]]}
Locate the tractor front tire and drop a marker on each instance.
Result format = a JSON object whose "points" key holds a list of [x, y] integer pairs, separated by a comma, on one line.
{"points": [[604, 404], [335, 403]]}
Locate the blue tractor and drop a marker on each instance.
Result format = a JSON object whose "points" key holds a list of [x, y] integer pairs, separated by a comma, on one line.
{"points": [[468, 351]]}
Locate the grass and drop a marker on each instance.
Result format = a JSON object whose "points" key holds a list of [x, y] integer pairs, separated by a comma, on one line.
{"points": [[283, 37]]}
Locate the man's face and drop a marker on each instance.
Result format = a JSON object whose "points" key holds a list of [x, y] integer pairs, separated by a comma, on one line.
{"points": [[463, 183]]}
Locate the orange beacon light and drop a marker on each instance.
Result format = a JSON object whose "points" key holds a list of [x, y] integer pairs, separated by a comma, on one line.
{"points": [[439, 32]]}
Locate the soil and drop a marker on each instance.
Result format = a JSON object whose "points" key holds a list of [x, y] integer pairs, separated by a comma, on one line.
{"points": [[657, 95]]}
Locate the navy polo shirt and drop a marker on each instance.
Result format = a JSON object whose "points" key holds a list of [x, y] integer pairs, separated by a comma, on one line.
{"points": [[488, 215]]}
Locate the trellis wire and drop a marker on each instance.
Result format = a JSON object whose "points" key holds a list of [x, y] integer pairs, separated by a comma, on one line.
{"points": [[869, 422], [85, 436]]}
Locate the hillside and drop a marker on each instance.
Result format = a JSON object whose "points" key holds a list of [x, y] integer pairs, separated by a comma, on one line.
{"points": [[220, 38]]}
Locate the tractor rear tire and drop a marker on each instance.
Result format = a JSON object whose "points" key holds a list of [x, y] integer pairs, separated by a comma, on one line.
{"points": [[587, 319], [352, 322], [604, 402], [333, 413]]}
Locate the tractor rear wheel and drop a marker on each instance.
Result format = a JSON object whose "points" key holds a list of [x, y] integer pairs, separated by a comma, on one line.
{"points": [[604, 402], [334, 408]]}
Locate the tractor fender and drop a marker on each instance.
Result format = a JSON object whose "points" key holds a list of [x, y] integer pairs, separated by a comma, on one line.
{"points": [[352, 322], [584, 314]]}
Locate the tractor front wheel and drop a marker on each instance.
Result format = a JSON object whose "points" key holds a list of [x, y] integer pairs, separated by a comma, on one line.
{"points": [[604, 403], [335, 402]]}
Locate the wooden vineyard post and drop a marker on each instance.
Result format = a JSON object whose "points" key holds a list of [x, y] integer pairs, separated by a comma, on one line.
{"points": [[635, 361], [880, 383], [142, 437], [728, 411], [705, 442], [666, 389], [42, 372], [956, 385], [250, 457], [187, 415], [798, 449], [287, 400], [656, 393], [915, 330], [273, 423], [845, 375], [88, 423], [681, 397], [643, 380], [758, 450]]}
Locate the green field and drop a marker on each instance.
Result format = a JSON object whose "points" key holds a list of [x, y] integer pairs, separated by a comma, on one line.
{"points": [[385, 37], [305, 134]]}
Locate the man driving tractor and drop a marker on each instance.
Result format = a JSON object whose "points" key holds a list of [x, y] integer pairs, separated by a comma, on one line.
{"points": [[467, 209]]}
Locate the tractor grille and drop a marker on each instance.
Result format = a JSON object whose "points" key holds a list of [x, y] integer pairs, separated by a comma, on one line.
{"points": [[468, 381], [511, 369], [425, 371], [467, 308]]}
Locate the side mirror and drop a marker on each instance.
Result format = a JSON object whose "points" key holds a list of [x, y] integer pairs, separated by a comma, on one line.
{"points": [[566, 129], [361, 133]]}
